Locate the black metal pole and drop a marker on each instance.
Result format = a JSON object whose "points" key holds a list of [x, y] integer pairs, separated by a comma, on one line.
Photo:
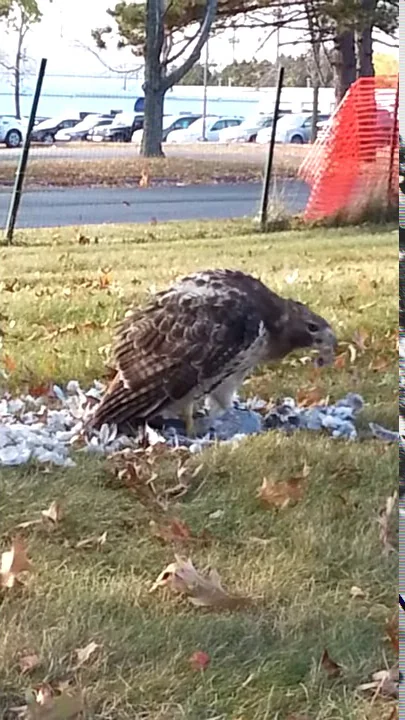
{"points": [[22, 164], [269, 164]]}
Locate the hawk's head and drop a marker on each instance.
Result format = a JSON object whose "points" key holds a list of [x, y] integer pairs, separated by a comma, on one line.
{"points": [[302, 328]]}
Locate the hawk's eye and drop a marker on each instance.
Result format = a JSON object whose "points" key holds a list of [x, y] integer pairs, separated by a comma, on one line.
{"points": [[312, 327]]}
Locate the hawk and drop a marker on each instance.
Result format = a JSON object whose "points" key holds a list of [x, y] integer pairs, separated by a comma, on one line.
{"points": [[197, 341]]}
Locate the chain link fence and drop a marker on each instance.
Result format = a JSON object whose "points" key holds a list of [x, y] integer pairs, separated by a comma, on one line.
{"points": [[86, 168]]}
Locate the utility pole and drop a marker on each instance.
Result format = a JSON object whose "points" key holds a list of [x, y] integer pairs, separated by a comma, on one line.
{"points": [[205, 83], [234, 42]]}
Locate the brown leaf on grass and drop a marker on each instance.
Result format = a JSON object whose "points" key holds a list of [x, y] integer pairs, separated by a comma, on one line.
{"points": [[384, 520], [380, 364], [83, 654], [28, 662], [307, 397], [331, 668], [384, 683], [357, 592], [281, 494], [105, 278], [54, 513], [97, 540], [203, 591], [340, 361], [13, 563], [144, 179], [176, 531], [9, 363], [83, 239], [199, 660], [46, 706], [360, 338]]}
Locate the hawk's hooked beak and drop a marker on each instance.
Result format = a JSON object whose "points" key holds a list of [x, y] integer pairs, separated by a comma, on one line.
{"points": [[325, 343]]}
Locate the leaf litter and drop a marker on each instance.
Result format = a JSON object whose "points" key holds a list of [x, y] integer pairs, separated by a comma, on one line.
{"points": [[14, 563], [201, 590]]}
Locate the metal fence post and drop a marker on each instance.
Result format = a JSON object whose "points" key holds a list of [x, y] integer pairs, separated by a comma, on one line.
{"points": [[22, 164], [269, 163]]}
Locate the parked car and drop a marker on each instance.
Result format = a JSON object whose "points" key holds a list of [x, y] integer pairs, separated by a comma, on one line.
{"points": [[12, 131], [401, 165], [294, 128], [120, 130], [247, 130], [194, 133], [101, 125], [170, 123], [46, 131], [81, 130]]}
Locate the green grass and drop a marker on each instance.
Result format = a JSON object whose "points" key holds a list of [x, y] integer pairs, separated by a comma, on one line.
{"points": [[298, 564]]}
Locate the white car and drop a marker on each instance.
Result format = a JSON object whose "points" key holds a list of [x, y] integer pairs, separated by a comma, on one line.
{"points": [[194, 133], [12, 131], [81, 130], [170, 124], [247, 130], [294, 128]]}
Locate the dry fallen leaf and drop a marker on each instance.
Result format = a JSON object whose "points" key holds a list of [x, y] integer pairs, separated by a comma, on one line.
{"points": [[384, 520], [92, 540], [199, 660], [83, 654], [307, 397], [13, 562], [9, 363], [59, 707], [53, 513], [144, 179], [357, 592], [281, 494], [204, 591], [360, 338], [385, 682], [176, 531], [330, 666], [29, 662]]}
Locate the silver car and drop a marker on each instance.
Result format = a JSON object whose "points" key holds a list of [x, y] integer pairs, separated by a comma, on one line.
{"points": [[294, 128]]}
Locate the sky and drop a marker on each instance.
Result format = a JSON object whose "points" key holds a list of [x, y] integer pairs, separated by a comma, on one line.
{"points": [[67, 24]]}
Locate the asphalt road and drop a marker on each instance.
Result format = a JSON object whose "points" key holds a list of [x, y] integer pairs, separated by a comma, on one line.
{"points": [[93, 206]]}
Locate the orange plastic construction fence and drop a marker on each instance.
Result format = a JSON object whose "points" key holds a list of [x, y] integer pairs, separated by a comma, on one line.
{"points": [[355, 157]]}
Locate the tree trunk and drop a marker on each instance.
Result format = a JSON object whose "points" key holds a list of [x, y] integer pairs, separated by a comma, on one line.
{"points": [[344, 63], [365, 67], [153, 123], [17, 75], [17, 79], [315, 106]]}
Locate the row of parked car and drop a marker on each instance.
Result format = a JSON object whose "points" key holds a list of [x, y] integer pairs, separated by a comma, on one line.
{"points": [[182, 128]]}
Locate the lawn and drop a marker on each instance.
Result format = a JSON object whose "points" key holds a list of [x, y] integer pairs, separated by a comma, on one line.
{"points": [[61, 292]]}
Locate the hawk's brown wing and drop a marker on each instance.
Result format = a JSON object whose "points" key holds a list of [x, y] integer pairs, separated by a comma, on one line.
{"points": [[172, 347]]}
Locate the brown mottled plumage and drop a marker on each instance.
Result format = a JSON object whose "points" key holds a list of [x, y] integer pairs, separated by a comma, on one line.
{"points": [[200, 338]]}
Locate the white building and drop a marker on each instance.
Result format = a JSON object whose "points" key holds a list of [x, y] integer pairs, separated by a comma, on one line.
{"points": [[105, 93]]}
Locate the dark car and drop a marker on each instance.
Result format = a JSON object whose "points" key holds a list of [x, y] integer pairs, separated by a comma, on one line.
{"points": [[45, 131], [120, 130], [401, 165]]}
